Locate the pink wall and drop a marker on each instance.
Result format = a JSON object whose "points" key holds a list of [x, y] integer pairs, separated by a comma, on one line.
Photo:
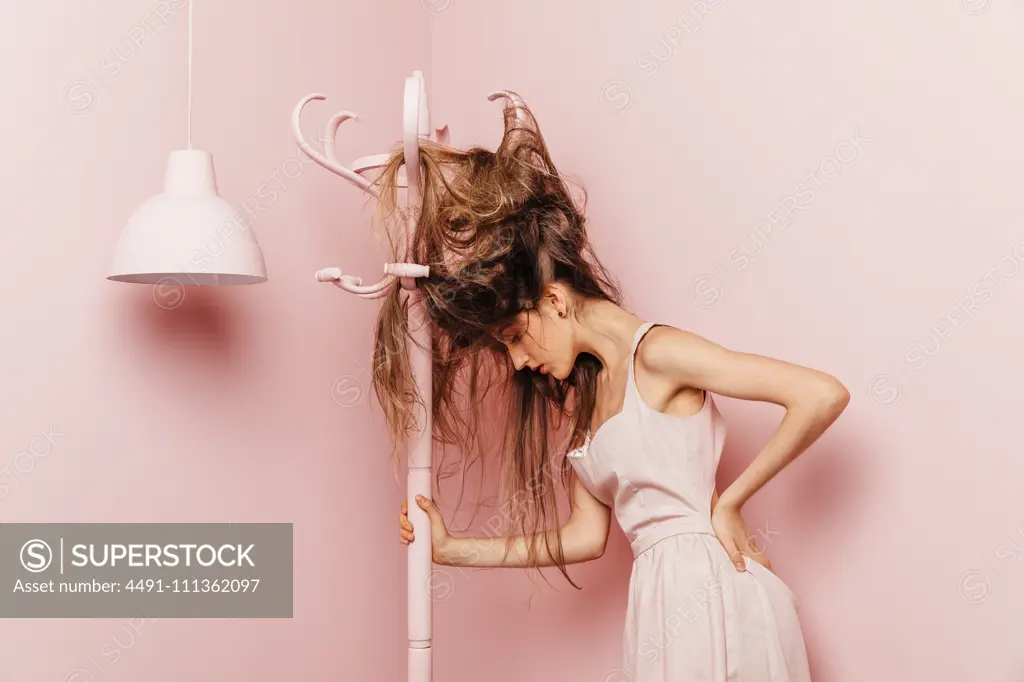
{"points": [[243, 404], [898, 275]]}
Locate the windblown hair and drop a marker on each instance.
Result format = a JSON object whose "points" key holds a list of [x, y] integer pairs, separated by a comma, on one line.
{"points": [[495, 228]]}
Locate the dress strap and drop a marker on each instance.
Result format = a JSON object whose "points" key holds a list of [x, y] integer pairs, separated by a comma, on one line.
{"points": [[630, 382], [644, 328]]}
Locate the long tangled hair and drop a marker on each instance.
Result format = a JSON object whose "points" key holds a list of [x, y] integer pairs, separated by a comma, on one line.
{"points": [[495, 228]]}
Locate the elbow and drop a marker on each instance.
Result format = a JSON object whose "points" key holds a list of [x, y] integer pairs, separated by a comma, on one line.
{"points": [[585, 537], [592, 549], [835, 397], [825, 398]]}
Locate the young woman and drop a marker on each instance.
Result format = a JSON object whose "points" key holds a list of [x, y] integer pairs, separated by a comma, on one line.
{"points": [[519, 300]]}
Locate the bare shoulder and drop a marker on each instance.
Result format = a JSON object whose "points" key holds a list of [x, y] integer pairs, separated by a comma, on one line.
{"points": [[667, 348], [688, 359]]}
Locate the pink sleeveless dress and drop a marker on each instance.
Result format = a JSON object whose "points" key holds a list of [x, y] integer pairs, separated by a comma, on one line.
{"points": [[691, 615]]}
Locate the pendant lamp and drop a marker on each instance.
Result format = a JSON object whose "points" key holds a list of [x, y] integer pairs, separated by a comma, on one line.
{"points": [[188, 233]]}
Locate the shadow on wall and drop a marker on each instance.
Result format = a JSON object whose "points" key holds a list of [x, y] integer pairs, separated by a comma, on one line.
{"points": [[169, 315]]}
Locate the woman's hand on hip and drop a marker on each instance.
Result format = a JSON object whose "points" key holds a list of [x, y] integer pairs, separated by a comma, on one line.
{"points": [[732, 532]]}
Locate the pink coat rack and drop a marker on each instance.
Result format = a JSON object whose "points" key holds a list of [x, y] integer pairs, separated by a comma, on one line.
{"points": [[419, 480]]}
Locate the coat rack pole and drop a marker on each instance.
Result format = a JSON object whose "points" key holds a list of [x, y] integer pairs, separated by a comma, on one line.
{"points": [[419, 482], [416, 126]]}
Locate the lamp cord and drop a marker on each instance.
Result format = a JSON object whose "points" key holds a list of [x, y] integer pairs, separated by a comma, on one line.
{"points": [[190, 73]]}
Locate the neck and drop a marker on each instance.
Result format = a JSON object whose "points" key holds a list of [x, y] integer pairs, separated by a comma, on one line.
{"points": [[606, 331]]}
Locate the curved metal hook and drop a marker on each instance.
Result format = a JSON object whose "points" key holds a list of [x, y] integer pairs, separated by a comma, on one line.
{"points": [[392, 273], [516, 101], [416, 126], [354, 285], [330, 161]]}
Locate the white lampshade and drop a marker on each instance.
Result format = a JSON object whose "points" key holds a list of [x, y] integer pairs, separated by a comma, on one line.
{"points": [[189, 233]]}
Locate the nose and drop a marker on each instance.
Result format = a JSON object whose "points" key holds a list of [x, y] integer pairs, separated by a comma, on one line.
{"points": [[519, 362]]}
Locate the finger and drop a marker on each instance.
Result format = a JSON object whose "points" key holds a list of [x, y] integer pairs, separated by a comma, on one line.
{"points": [[426, 505], [756, 552], [734, 554], [433, 514], [405, 506], [751, 547]]}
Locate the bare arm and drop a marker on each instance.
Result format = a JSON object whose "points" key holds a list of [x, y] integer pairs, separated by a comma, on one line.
{"points": [[584, 536], [813, 399]]}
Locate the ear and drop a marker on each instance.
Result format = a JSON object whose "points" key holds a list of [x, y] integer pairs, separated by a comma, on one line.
{"points": [[557, 297]]}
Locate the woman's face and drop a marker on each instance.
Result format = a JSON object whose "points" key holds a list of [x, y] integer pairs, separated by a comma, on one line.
{"points": [[540, 340]]}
